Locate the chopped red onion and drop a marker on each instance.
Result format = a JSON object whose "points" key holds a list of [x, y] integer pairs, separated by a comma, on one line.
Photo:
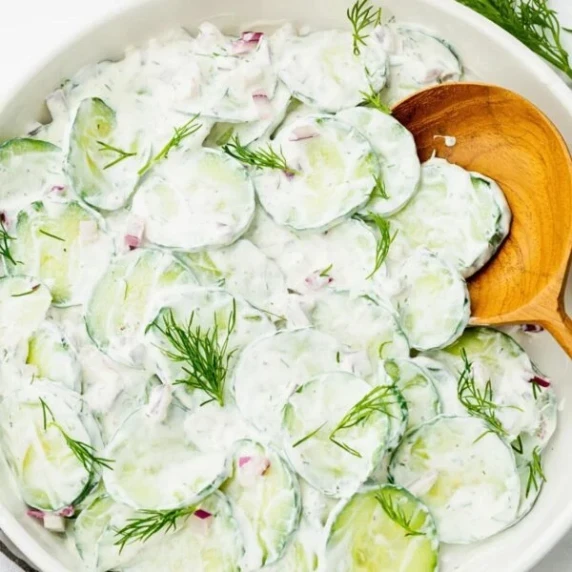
{"points": [[251, 36], [303, 132], [248, 42], [66, 512], [134, 232], [541, 381], [202, 514], [531, 328], [243, 461], [34, 513], [2, 217], [317, 282], [57, 189], [263, 105]]}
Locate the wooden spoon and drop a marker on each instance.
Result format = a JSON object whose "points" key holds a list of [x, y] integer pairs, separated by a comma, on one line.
{"points": [[502, 135]]}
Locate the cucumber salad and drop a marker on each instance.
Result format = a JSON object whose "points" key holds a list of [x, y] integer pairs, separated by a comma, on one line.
{"points": [[234, 313]]}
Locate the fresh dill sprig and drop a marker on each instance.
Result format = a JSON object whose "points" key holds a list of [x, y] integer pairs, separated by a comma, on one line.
{"points": [[361, 17], [378, 400], [385, 238], [26, 293], [372, 99], [55, 237], [309, 435], [532, 22], [535, 472], [379, 189], [478, 402], [181, 133], [396, 513], [518, 446], [261, 158], [150, 523], [121, 154], [5, 240], [204, 357], [84, 452], [326, 271]]}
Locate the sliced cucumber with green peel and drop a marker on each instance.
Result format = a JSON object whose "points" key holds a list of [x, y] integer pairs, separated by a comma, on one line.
{"points": [[64, 246], [324, 440], [397, 154], [265, 496], [333, 174], [53, 357], [48, 473], [417, 59], [501, 368], [385, 528], [156, 467], [24, 302], [102, 164], [122, 302], [243, 270], [271, 368], [302, 553], [195, 200], [433, 302], [205, 309], [209, 544], [29, 169], [463, 217], [323, 70], [365, 323], [466, 475], [343, 258], [416, 386]]}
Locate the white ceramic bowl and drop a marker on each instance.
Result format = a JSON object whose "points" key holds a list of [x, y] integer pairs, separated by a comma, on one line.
{"points": [[490, 54]]}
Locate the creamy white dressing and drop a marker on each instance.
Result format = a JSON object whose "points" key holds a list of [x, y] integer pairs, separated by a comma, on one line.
{"points": [[311, 299]]}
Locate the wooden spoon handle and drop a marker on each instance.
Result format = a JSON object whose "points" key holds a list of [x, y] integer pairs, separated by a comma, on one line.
{"points": [[560, 326]]}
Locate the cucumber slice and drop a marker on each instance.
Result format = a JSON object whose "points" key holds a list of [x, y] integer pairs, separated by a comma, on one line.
{"points": [[397, 154], [364, 323], [64, 247], [301, 554], [382, 529], [195, 200], [496, 358], [53, 357], [24, 302], [96, 180], [243, 270], [342, 258], [417, 59], [210, 545], [464, 473], [335, 174], [273, 112], [268, 236], [416, 386], [157, 468], [28, 170], [433, 303], [122, 302], [322, 70], [207, 308], [265, 496], [461, 216], [531, 474], [48, 473], [311, 423], [287, 358]]}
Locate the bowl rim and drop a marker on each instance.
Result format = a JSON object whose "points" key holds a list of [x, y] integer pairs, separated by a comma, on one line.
{"points": [[551, 80]]}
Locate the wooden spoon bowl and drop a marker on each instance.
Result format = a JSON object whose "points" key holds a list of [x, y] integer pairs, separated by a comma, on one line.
{"points": [[502, 135]]}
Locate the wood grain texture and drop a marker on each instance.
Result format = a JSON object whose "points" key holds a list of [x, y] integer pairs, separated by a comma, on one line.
{"points": [[502, 135]]}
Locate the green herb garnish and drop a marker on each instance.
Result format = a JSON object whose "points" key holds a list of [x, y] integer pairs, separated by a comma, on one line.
{"points": [[326, 271], [181, 133], [379, 189], [532, 22], [309, 435], [372, 99], [153, 521], [121, 154], [261, 158], [361, 17], [26, 293], [385, 238], [84, 452], [46, 233], [517, 445], [5, 240], [396, 513], [204, 357], [378, 400], [535, 472]]}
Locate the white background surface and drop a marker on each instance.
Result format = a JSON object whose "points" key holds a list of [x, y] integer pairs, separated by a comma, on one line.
{"points": [[30, 28]]}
